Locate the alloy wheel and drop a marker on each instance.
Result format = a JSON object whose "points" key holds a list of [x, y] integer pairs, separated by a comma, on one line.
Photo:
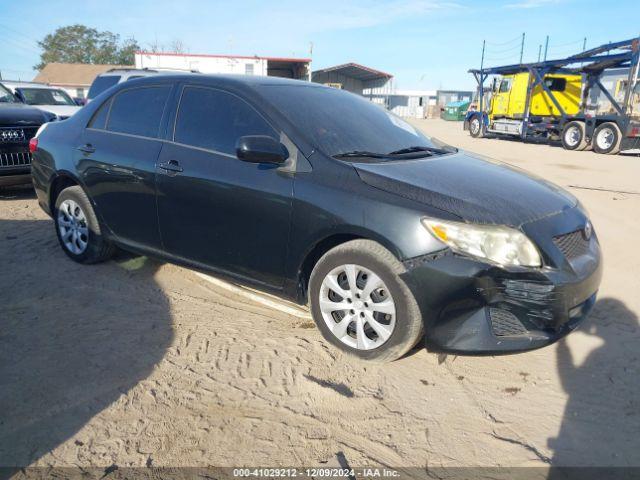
{"points": [[357, 307], [72, 224]]}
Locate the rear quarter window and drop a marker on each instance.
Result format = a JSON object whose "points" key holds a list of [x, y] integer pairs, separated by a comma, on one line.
{"points": [[138, 111], [556, 84], [99, 119]]}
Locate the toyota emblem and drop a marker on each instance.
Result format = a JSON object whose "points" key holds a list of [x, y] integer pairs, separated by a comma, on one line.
{"points": [[588, 230]]}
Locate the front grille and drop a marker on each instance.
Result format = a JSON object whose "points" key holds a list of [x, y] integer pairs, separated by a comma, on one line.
{"points": [[505, 323], [16, 135], [572, 244], [14, 159]]}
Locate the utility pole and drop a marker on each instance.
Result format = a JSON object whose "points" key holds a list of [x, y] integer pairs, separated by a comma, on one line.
{"points": [[522, 47], [481, 77], [546, 47], [584, 44], [539, 52]]}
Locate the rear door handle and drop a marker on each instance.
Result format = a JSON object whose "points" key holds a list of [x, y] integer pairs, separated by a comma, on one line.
{"points": [[171, 166], [87, 148]]}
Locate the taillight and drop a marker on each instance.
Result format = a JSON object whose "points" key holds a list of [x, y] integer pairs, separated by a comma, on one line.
{"points": [[33, 144]]}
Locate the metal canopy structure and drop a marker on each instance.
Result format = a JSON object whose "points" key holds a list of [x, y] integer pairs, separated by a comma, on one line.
{"points": [[591, 62], [357, 71]]}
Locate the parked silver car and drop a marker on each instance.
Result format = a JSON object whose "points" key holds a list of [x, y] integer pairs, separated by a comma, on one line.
{"points": [[45, 97]]}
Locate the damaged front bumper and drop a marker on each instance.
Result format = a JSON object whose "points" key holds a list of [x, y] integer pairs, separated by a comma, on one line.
{"points": [[470, 306]]}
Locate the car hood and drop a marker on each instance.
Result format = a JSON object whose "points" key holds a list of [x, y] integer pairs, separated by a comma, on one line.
{"points": [[60, 110], [19, 114], [476, 190]]}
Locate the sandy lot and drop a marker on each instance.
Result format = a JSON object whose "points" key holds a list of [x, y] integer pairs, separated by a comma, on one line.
{"points": [[135, 362]]}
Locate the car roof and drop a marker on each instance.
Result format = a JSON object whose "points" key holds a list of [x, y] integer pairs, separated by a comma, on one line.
{"points": [[18, 84], [141, 71], [250, 81]]}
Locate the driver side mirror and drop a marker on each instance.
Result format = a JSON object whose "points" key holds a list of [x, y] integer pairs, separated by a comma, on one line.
{"points": [[261, 149]]}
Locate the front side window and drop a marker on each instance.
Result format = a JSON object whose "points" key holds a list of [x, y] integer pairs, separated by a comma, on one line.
{"points": [[100, 84], [45, 96], [505, 86], [138, 111], [214, 120]]}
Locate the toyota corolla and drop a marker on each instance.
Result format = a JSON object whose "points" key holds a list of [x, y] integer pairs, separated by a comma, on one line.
{"points": [[322, 197]]}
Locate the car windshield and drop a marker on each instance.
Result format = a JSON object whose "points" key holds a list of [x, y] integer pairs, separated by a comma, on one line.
{"points": [[45, 96], [348, 126], [6, 96], [100, 84]]}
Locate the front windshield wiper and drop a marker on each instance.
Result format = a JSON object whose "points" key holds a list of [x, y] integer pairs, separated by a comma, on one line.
{"points": [[361, 153], [404, 153], [416, 149]]}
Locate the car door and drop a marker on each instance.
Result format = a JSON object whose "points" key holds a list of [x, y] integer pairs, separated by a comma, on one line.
{"points": [[501, 99], [117, 157], [213, 208]]}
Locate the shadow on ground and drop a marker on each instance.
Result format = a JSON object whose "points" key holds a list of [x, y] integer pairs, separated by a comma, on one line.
{"points": [[602, 416], [73, 338], [21, 192]]}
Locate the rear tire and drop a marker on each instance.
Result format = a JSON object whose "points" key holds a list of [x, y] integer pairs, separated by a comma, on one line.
{"points": [[573, 136], [607, 139], [78, 229], [477, 128], [377, 318]]}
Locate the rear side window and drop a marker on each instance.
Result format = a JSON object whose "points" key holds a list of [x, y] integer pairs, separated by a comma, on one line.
{"points": [[556, 84], [99, 119], [214, 120], [138, 111], [100, 84]]}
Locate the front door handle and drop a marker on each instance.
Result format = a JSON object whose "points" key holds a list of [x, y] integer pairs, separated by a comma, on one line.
{"points": [[87, 148], [171, 166]]}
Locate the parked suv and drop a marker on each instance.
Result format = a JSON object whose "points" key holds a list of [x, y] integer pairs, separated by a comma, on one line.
{"points": [[118, 75], [320, 196], [18, 124]]}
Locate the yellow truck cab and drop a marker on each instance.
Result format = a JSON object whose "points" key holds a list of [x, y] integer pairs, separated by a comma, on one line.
{"points": [[506, 103], [510, 96], [564, 99]]}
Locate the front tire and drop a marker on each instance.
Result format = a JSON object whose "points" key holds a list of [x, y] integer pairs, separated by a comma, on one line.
{"points": [[78, 229], [360, 303], [607, 139], [573, 136], [477, 128]]}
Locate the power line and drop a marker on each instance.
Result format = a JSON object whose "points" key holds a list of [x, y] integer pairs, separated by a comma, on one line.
{"points": [[516, 39]]}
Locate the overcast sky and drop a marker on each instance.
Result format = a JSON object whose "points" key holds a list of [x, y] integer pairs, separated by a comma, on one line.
{"points": [[425, 44]]}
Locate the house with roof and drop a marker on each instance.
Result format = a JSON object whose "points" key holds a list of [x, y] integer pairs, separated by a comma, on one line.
{"points": [[74, 78]]}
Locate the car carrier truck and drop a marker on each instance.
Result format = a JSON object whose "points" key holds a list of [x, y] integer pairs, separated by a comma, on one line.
{"points": [[551, 100]]}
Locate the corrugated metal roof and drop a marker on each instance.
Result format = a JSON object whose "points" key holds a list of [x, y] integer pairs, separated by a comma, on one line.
{"points": [[355, 70]]}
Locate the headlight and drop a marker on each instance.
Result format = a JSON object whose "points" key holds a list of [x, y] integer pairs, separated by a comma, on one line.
{"points": [[501, 245]]}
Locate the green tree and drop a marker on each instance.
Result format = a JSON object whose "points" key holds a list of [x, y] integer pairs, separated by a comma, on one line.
{"points": [[81, 44]]}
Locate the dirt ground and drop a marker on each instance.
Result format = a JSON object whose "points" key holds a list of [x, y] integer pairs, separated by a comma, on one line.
{"points": [[136, 363]]}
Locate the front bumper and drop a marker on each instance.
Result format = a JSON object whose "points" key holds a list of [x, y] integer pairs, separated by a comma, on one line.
{"points": [[469, 306]]}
